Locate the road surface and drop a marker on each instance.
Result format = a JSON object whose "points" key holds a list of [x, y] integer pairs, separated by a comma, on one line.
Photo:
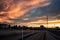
{"points": [[28, 35]]}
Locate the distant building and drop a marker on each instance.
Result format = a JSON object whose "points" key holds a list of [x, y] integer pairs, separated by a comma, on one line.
{"points": [[3, 25]]}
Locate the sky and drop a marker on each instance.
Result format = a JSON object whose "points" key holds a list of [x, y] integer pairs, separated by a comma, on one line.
{"points": [[30, 12]]}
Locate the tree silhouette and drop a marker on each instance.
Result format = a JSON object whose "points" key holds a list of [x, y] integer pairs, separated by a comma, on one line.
{"points": [[42, 27]]}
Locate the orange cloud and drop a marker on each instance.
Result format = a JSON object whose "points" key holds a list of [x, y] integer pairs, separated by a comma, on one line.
{"points": [[17, 8]]}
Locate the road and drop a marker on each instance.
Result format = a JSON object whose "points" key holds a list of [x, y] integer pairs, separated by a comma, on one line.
{"points": [[28, 35], [41, 35]]}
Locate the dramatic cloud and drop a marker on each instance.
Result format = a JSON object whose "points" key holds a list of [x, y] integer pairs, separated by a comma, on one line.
{"points": [[12, 9], [29, 11], [52, 10]]}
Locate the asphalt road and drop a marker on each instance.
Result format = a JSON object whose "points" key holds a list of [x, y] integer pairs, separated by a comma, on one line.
{"points": [[15, 34], [28, 35], [42, 35]]}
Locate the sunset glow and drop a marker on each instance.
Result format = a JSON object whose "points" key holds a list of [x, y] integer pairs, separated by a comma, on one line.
{"points": [[30, 12]]}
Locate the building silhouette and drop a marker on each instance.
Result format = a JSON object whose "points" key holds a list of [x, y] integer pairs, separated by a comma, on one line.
{"points": [[3, 25]]}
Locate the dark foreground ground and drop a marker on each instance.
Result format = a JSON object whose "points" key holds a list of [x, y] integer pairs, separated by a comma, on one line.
{"points": [[29, 35]]}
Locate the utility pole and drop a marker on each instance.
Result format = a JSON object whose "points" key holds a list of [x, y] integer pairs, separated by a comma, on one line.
{"points": [[47, 20], [54, 25]]}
